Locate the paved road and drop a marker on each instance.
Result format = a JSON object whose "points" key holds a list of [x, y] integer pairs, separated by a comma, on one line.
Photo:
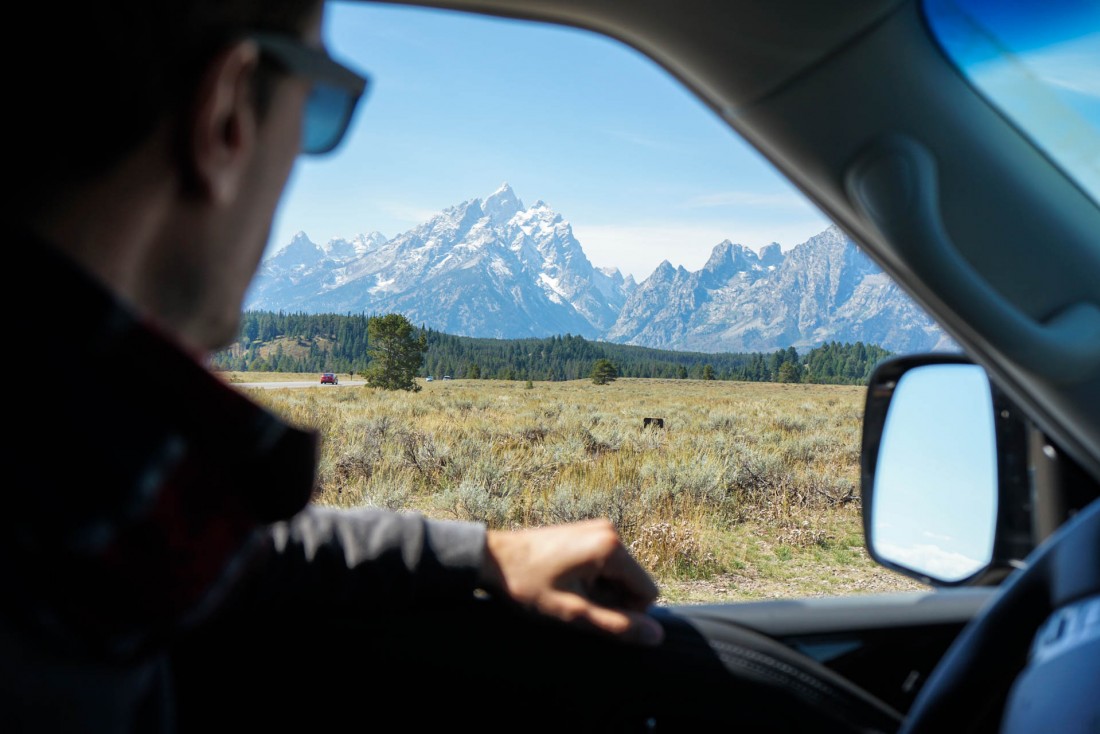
{"points": [[313, 383]]}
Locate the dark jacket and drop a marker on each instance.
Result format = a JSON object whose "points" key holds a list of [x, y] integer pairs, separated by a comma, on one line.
{"points": [[144, 495]]}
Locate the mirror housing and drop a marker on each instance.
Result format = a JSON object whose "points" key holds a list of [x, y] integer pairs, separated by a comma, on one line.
{"points": [[945, 483]]}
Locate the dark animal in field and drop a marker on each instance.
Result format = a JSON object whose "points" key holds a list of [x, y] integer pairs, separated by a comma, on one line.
{"points": [[655, 422]]}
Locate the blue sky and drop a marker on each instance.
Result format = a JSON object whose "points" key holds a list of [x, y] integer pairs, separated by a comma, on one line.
{"points": [[1039, 66], [461, 104]]}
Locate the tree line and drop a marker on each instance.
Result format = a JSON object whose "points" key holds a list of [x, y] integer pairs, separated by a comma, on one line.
{"points": [[299, 342]]}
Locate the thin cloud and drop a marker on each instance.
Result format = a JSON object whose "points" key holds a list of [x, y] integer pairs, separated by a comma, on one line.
{"points": [[644, 141], [936, 561], [937, 536], [1070, 65], [403, 212], [1084, 87], [749, 198]]}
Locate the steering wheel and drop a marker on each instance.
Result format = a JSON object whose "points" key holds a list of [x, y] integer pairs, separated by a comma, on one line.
{"points": [[978, 679], [741, 678]]}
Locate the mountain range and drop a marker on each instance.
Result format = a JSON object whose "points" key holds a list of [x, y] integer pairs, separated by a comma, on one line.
{"points": [[496, 268]]}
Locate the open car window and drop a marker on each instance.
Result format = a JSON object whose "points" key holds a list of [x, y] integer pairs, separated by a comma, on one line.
{"points": [[581, 195]]}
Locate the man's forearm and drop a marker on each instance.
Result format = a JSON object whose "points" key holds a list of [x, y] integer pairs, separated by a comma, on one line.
{"points": [[367, 559]]}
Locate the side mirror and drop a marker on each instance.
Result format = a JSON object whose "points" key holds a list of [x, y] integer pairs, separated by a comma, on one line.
{"points": [[945, 485]]}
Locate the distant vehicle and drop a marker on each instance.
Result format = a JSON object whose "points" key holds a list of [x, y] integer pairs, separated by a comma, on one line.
{"points": [[430, 378], [329, 378], [446, 377]]}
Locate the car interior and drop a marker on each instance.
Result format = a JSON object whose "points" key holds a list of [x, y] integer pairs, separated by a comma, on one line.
{"points": [[997, 235]]}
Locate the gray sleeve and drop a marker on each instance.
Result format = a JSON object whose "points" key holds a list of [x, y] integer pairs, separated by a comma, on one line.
{"points": [[366, 559]]}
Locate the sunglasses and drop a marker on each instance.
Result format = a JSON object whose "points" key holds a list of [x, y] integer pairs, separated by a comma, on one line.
{"points": [[335, 94]]}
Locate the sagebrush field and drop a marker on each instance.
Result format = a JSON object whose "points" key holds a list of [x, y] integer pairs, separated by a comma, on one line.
{"points": [[749, 491]]}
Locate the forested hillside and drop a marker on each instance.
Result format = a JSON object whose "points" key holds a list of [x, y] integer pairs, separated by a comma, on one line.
{"points": [[298, 342]]}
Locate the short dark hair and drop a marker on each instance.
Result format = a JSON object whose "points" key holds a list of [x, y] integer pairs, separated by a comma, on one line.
{"points": [[100, 77]]}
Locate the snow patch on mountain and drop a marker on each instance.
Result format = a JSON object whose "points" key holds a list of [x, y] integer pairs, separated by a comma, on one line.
{"points": [[485, 267], [822, 290], [494, 267]]}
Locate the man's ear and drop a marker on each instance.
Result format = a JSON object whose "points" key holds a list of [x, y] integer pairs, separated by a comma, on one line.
{"points": [[221, 137]]}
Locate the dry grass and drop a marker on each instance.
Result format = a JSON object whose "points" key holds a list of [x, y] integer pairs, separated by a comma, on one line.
{"points": [[750, 491]]}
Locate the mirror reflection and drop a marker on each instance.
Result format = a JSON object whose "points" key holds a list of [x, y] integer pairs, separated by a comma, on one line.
{"points": [[935, 493]]}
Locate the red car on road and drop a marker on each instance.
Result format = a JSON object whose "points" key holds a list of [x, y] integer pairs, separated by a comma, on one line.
{"points": [[329, 378]]}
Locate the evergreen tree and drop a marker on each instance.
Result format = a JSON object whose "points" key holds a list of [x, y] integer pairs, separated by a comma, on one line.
{"points": [[790, 372], [396, 353], [604, 371]]}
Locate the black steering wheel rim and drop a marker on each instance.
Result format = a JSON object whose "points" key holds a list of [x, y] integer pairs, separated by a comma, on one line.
{"points": [[764, 685]]}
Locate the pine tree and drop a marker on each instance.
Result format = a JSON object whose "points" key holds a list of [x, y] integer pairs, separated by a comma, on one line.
{"points": [[790, 372], [603, 372], [396, 353]]}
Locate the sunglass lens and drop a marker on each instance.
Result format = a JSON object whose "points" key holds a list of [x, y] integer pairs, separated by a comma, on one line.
{"points": [[327, 114]]}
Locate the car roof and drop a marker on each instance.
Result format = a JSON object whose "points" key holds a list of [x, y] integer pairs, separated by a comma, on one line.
{"points": [[999, 245]]}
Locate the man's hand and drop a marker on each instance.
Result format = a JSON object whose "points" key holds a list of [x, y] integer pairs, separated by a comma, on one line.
{"points": [[580, 573]]}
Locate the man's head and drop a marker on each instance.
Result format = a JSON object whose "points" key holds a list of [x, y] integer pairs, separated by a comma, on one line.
{"points": [[159, 154], [101, 76]]}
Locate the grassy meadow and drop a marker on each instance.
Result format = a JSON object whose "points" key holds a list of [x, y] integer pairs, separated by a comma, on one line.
{"points": [[750, 491]]}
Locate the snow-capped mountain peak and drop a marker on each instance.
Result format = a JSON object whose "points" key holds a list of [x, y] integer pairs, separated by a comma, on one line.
{"points": [[485, 267], [822, 290], [341, 249], [300, 244], [494, 268], [502, 205], [771, 255]]}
